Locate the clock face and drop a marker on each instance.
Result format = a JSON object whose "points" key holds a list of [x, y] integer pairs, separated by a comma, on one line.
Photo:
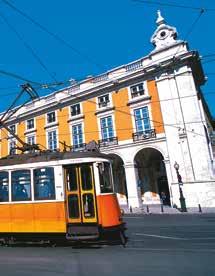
{"points": [[163, 34]]}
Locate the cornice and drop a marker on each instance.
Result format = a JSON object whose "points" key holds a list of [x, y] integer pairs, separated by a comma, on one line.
{"points": [[110, 85]]}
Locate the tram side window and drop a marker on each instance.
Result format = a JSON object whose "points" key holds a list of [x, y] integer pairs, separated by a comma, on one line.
{"points": [[105, 178], [4, 187], [44, 184], [21, 185]]}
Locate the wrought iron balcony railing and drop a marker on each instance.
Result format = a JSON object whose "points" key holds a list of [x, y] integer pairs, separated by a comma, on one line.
{"points": [[79, 147], [108, 142], [143, 135]]}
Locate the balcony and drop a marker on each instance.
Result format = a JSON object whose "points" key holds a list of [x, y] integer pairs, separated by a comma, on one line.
{"points": [[134, 66], [100, 78], [144, 135], [108, 142]]}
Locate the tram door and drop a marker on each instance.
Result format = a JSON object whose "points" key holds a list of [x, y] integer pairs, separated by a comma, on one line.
{"points": [[80, 193]]}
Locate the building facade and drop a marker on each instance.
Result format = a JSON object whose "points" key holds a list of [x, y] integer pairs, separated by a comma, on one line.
{"points": [[147, 115]]}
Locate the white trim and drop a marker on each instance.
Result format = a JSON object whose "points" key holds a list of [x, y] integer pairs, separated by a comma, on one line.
{"points": [[30, 129], [78, 115], [75, 123], [31, 134], [53, 163], [47, 124], [109, 105], [9, 141], [32, 185], [105, 115], [57, 133], [15, 132], [145, 87], [139, 106]]}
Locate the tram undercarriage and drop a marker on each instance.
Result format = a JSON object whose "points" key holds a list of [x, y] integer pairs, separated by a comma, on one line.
{"points": [[75, 235]]}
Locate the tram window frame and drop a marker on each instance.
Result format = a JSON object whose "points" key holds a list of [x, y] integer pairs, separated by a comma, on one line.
{"points": [[89, 184], [73, 206], [17, 189], [4, 192], [72, 179], [102, 173], [89, 205], [51, 190]]}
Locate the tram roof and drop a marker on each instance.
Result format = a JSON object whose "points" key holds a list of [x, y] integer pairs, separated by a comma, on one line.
{"points": [[48, 156]]}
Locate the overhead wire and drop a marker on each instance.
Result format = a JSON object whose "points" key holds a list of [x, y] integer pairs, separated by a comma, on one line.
{"points": [[56, 36], [27, 46], [194, 23], [157, 122], [173, 5], [122, 106], [13, 75]]}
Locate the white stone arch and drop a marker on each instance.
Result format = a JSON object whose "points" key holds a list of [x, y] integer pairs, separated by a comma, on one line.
{"points": [[162, 151], [120, 183], [152, 166]]}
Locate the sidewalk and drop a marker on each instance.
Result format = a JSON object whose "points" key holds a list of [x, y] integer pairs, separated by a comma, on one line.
{"points": [[158, 209]]}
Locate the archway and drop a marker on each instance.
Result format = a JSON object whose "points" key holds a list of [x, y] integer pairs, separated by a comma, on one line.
{"points": [[119, 177], [152, 177]]}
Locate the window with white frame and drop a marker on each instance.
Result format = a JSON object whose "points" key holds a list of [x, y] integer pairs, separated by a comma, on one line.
{"points": [[77, 135], [13, 128], [52, 139], [12, 147], [137, 90], [107, 130], [30, 124], [51, 117], [75, 109], [142, 120], [31, 140], [104, 101]]}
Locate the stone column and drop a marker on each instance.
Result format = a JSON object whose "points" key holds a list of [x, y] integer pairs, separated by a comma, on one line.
{"points": [[169, 179], [134, 195]]}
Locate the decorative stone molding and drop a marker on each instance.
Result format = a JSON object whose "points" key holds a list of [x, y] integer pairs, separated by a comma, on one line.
{"points": [[165, 35]]}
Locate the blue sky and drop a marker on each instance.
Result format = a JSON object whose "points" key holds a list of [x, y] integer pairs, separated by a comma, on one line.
{"points": [[103, 35]]}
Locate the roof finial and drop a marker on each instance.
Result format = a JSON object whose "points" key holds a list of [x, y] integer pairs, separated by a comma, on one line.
{"points": [[160, 20]]}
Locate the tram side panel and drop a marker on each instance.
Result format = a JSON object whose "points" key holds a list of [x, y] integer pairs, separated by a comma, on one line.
{"points": [[36, 216]]}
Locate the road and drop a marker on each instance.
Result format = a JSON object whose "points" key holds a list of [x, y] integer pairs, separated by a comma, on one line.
{"points": [[158, 245]]}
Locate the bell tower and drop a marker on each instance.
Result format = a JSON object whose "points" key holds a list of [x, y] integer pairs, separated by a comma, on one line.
{"points": [[164, 35]]}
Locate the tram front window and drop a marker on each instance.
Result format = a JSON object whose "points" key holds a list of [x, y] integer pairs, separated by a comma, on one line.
{"points": [[72, 183], [105, 178], [4, 187], [86, 177], [44, 184], [21, 185], [89, 211]]}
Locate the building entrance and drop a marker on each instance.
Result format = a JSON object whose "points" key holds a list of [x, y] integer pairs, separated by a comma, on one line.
{"points": [[152, 176]]}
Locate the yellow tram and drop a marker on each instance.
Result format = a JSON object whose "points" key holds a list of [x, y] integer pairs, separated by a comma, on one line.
{"points": [[56, 195]]}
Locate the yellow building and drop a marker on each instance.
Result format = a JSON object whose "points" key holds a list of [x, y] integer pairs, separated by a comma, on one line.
{"points": [[138, 113]]}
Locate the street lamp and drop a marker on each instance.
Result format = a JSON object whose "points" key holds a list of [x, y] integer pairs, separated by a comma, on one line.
{"points": [[180, 183]]}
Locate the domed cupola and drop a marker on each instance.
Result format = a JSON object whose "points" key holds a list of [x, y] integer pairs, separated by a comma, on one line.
{"points": [[165, 35]]}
